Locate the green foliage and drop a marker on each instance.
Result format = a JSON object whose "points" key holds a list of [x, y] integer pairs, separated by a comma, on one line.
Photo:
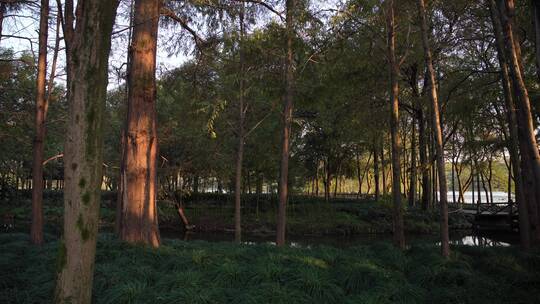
{"points": [[200, 272]]}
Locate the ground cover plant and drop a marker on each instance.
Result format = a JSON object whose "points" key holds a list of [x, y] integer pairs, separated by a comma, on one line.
{"points": [[202, 272]]}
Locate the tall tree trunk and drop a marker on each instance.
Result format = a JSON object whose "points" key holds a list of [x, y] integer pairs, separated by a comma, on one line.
{"points": [[511, 117], [528, 144], [472, 184], [36, 229], [87, 51], [453, 167], [383, 169], [121, 181], [287, 121], [413, 177], [376, 173], [424, 166], [399, 237], [359, 173], [437, 132], [139, 210], [241, 138]]}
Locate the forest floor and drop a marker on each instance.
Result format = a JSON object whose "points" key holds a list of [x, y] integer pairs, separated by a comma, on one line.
{"points": [[305, 215], [201, 272]]}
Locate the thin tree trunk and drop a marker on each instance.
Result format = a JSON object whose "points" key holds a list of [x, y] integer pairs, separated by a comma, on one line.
{"points": [[489, 179], [36, 229], [445, 247], [453, 182], [87, 51], [478, 184], [383, 169], [413, 177], [399, 237], [424, 166], [472, 184], [241, 139], [365, 175], [287, 121], [376, 173], [139, 210], [524, 225], [358, 173], [486, 191]]}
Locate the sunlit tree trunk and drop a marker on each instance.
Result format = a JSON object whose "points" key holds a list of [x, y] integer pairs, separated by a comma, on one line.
{"points": [[524, 225], [87, 51], [287, 121], [437, 132], [241, 137], [36, 229], [527, 139], [399, 237], [139, 210]]}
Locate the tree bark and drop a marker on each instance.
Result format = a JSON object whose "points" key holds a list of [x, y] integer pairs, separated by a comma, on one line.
{"points": [[511, 117], [399, 237], [413, 177], [139, 210], [527, 139], [437, 132], [383, 169], [241, 137], [536, 17], [359, 172], [376, 172], [87, 51], [287, 121], [424, 166], [36, 229]]}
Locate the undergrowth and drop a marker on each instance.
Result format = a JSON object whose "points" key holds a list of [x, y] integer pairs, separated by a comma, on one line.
{"points": [[201, 272]]}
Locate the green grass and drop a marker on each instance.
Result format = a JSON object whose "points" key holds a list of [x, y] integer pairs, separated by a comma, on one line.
{"points": [[201, 272]]}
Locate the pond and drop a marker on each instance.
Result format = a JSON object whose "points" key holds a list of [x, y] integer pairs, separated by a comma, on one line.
{"points": [[498, 196], [468, 238]]}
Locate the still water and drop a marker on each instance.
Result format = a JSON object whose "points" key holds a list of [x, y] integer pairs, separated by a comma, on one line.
{"points": [[498, 197], [468, 238]]}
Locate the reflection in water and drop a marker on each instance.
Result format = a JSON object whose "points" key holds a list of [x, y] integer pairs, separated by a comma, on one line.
{"points": [[479, 241], [468, 239]]}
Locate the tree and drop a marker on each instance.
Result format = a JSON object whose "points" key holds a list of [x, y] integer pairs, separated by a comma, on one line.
{"points": [[437, 132], [399, 237], [287, 122], [139, 223], [241, 133], [524, 225], [36, 230], [530, 157], [88, 41]]}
